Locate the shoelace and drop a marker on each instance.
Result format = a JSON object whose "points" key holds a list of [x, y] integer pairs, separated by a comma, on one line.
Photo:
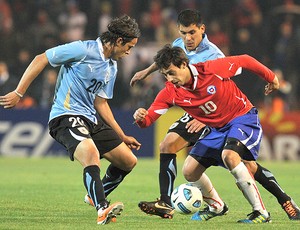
{"points": [[288, 207], [162, 203], [253, 215]]}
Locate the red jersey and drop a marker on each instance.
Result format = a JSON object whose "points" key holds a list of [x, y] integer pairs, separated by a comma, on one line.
{"points": [[214, 98]]}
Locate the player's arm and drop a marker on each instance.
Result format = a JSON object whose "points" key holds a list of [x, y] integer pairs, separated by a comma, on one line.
{"points": [[231, 66], [140, 75], [144, 118], [106, 114], [33, 70], [261, 70], [140, 116]]}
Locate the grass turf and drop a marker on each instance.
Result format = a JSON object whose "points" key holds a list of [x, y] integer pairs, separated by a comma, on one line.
{"points": [[47, 193]]}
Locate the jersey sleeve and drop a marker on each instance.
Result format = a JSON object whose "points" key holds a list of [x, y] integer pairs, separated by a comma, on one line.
{"points": [[159, 107], [215, 55], [256, 67], [230, 66], [59, 55]]}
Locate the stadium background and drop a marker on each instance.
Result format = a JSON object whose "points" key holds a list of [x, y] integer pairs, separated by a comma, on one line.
{"points": [[269, 30]]}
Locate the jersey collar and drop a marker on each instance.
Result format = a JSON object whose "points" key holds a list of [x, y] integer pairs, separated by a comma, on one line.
{"points": [[195, 76], [203, 44], [100, 48], [101, 51]]}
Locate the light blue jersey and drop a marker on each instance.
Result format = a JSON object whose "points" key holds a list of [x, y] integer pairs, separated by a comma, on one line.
{"points": [[204, 52], [84, 73]]}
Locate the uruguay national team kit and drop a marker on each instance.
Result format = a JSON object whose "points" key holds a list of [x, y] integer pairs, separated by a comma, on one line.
{"points": [[84, 74]]}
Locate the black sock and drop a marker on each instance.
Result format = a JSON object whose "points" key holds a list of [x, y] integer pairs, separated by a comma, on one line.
{"points": [[268, 181], [167, 175], [113, 177], [94, 186]]}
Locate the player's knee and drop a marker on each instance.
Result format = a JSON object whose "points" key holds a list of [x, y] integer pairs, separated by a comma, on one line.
{"points": [[230, 159], [87, 159], [189, 175], [167, 147], [131, 163]]}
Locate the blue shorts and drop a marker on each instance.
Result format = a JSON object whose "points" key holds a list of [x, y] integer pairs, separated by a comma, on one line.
{"points": [[246, 129]]}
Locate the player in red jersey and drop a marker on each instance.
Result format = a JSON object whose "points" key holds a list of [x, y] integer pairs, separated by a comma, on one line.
{"points": [[205, 91]]}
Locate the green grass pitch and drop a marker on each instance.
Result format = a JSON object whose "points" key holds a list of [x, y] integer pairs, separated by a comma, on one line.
{"points": [[47, 193]]}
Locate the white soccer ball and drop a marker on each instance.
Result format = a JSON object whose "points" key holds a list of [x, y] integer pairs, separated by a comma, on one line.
{"points": [[186, 199]]}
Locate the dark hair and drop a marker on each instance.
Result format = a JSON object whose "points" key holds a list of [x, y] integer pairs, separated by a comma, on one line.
{"points": [[168, 55], [188, 17], [123, 27]]}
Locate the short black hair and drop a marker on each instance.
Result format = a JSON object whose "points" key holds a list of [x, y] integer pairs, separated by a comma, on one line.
{"points": [[188, 17], [123, 27], [170, 55]]}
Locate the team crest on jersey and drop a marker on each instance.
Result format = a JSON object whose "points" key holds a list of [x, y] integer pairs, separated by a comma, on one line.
{"points": [[211, 89]]}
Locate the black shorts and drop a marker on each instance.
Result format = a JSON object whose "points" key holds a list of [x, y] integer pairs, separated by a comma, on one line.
{"points": [[70, 130], [179, 128]]}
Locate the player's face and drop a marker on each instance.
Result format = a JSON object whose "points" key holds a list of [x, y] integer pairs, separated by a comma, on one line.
{"points": [[177, 76], [120, 50], [191, 35]]}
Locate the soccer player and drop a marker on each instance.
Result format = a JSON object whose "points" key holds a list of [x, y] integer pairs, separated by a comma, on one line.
{"points": [[85, 82], [234, 132], [186, 130]]}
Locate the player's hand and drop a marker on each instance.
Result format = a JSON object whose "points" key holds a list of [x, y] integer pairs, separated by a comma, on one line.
{"points": [[194, 126], [132, 143], [140, 114], [9, 100], [270, 87], [138, 76]]}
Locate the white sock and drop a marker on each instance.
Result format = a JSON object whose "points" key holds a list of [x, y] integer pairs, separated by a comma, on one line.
{"points": [[210, 195], [247, 185]]}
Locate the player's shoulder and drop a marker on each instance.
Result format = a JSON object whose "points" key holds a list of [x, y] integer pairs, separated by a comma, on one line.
{"points": [[178, 42], [211, 47], [76, 47], [76, 44]]}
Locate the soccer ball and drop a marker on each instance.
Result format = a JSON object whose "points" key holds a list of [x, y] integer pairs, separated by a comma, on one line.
{"points": [[186, 199]]}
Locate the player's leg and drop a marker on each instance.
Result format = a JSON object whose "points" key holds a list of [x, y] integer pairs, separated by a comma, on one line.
{"points": [[269, 182], [122, 162], [73, 132], [192, 171], [176, 139], [117, 153], [167, 175], [87, 155], [243, 136], [171, 144], [247, 185]]}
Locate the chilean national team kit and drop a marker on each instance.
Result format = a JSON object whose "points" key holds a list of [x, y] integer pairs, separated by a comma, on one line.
{"points": [[215, 100]]}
